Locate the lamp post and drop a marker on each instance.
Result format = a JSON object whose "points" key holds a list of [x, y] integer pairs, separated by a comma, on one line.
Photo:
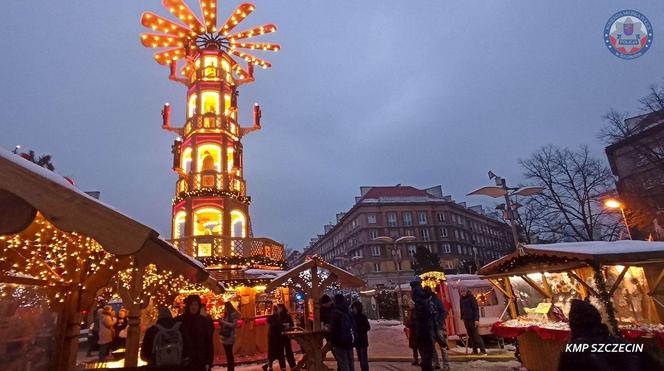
{"points": [[396, 255], [612, 203], [502, 190]]}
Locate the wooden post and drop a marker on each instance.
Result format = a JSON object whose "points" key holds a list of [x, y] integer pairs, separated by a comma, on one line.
{"points": [[70, 322], [605, 297], [514, 311], [131, 300]]}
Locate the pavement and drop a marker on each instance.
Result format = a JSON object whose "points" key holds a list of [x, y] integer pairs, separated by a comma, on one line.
{"points": [[406, 366]]}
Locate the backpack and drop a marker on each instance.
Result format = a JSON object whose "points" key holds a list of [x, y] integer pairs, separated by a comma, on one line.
{"points": [[436, 316], [167, 347]]}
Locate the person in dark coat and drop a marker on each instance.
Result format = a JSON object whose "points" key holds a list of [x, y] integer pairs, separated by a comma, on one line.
{"points": [[412, 335], [275, 341], [470, 315], [440, 330], [342, 329], [362, 336], [164, 319], [287, 324], [586, 327], [424, 328], [197, 335], [325, 316]]}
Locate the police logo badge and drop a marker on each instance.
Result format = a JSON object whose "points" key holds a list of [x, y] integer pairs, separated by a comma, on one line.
{"points": [[628, 34]]}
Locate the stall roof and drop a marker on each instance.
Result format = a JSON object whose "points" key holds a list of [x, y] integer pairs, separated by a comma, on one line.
{"points": [[570, 255], [343, 278], [72, 210]]}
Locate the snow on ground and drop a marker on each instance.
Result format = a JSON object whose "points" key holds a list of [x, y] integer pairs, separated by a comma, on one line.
{"points": [[387, 338]]}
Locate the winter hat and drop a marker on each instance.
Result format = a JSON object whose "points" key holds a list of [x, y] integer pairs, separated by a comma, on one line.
{"points": [[339, 301], [416, 282], [163, 313], [585, 320]]}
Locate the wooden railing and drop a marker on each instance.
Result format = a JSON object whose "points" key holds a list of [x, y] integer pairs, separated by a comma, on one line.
{"points": [[203, 246]]}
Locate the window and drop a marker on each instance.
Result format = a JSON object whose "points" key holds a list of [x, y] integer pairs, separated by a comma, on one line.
{"points": [[425, 234], [238, 222], [355, 223], [446, 248], [412, 249], [422, 217], [375, 250], [397, 266], [179, 224], [207, 221], [371, 219], [441, 217], [392, 219], [191, 107], [210, 102], [357, 253], [407, 219], [376, 267], [373, 234], [409, 232]]}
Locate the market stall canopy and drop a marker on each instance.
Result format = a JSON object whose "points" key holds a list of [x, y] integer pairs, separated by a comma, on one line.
{"points": [[559, 257], [341, 277], [27, 187]]}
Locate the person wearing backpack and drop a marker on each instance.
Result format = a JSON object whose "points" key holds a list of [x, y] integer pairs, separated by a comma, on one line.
{"points": [[439, 314], [228, 324], [163, 343], [197, 333], [342, 331], [362, 338]]}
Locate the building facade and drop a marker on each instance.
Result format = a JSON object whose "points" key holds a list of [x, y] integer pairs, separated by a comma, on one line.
{"points": [[637, 161], [457, 234]]}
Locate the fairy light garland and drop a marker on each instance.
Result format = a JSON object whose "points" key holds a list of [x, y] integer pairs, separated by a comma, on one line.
{"points": [[52, 256], [211, 192], [258, 261]]}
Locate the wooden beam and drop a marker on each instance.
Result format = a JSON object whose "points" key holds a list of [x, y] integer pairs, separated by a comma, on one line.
{"points": [[534, 285], [514, 310], [618, 280], [658, 281], [23, 280], [583, 283], [497, 285]]}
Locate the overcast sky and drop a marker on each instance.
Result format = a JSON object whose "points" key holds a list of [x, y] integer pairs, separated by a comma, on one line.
{"points": [[362, 93]]}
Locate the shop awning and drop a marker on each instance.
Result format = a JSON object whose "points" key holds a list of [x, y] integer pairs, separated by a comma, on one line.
{"points": [[72, 210], [570, 255]]}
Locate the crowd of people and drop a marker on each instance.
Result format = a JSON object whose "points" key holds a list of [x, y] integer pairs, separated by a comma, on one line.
{"points": [[107, 331]]}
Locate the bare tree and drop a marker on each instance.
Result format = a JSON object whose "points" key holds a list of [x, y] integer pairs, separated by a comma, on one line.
{"points": [[570, 206], [646, 152], [528, 219]]}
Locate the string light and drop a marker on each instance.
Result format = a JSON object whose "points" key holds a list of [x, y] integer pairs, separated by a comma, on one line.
{"points": [[212, 192]]}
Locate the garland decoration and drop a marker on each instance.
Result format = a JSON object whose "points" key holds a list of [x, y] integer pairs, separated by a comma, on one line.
{"points": [[243, 262], [212, 192]]}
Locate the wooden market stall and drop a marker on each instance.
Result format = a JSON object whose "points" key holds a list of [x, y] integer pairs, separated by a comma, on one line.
{"points": [[63, 246], [312, 278], [622, 278]]}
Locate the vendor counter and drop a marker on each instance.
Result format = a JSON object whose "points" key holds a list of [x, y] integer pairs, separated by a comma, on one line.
{"points": [[541, 343], [251, 337]]}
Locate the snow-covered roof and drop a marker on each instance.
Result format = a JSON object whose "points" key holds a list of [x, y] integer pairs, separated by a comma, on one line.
{"points": [[571, 255], [72, 210], [600, 247], [264, 273]]}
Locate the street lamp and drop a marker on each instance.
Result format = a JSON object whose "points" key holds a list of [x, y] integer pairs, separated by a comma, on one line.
{"points": [[502, 190], [396, 255], [612, 203]]}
